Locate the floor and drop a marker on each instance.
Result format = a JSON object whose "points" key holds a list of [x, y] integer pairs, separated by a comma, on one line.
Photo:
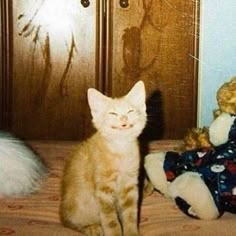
{"points": [[37, 215]]}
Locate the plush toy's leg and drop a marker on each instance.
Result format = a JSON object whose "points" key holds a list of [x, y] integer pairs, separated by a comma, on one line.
{"points": [[192, 189], [185, 207], [154, 168], [148, 188]]}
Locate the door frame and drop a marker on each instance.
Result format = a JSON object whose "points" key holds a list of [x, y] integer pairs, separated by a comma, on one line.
{"points": [[6, 61]]}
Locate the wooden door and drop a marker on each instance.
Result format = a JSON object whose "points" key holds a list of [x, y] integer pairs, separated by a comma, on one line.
{"points": [[54, 50], [156, 41], [55, 54], [5, 63]]}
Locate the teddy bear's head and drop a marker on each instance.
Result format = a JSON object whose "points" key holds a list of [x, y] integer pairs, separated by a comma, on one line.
{"points": [[197, 138], [226, 98]]}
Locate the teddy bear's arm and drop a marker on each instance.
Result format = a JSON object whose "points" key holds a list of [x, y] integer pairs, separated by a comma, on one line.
{"points": [[154, 168], [219, 129]]}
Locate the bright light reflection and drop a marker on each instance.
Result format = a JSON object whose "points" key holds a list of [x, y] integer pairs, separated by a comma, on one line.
{"points": [[55, 16]]}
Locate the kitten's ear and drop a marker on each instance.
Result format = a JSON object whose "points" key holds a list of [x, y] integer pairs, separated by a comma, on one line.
{"points": [[137, 94], [97, 101]]}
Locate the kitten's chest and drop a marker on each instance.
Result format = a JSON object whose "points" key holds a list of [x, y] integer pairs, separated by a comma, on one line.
{"points": [[125, 164], [126, 169], [126, 160], [119, 160]]}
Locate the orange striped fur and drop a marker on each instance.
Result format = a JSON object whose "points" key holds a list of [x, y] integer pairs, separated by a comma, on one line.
{"points": [[100, 182]]}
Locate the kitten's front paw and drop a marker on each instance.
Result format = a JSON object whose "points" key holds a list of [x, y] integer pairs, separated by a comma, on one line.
{"points": [[132, 234], [93, 230], [131, 231]]}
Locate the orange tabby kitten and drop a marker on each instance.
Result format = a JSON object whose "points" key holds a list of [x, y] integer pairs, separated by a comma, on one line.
{"points": [[100, 183]]}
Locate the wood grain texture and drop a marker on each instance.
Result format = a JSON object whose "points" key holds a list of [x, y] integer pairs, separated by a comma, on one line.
{"points": [[56, 49], [52, 63], [5, 63], [38, 214], [155, 41]]}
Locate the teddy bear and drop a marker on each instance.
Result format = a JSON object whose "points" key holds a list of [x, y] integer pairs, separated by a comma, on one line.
{"points": [[199, 137], [226, 98], [201, 181], [196, 138], [201, 178]]}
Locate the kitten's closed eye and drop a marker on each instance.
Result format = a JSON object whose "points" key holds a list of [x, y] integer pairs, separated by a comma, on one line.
{"points": [[113, 113], [116, 114]]}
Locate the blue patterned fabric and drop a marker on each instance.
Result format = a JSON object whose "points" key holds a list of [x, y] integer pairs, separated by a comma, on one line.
{"points": [[216, 167]]}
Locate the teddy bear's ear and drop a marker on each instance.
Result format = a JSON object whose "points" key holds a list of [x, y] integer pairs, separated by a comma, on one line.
{"points": [[219, 130]]}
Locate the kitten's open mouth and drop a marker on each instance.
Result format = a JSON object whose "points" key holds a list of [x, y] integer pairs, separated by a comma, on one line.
{"points": [[122, 127]]}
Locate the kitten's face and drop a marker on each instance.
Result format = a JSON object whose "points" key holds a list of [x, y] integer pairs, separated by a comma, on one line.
{"points": [[119, 117]]}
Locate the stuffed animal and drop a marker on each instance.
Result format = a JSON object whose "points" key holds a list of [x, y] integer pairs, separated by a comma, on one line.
{"points": [[201, 181], [226, 99], [196, 138]]}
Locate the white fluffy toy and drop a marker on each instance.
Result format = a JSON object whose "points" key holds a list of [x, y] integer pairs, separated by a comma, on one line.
{"points": [[21, 170]]}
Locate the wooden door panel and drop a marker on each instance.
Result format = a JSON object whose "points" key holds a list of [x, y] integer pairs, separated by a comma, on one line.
{"points": [[5, 63], [156, 41], [1, 68], [54, 62], [56, 49]]}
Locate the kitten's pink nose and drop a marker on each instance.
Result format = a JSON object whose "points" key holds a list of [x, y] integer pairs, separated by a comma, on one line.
{"points": [[123, 120]]}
